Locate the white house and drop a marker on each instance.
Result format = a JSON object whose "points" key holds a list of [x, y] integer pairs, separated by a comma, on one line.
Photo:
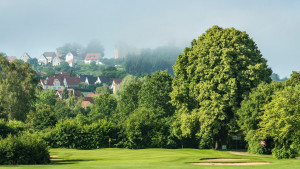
{"points": [[92, 57], [50, 56], [25, 57], [71, 58], [56, 61], [42, 60]]}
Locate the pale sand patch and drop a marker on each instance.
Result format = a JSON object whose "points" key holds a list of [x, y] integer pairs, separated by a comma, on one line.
{"points": [[223, 159], [244, 154], [249, 163], [53, 156]]}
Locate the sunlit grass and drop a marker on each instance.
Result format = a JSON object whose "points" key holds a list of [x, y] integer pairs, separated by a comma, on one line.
{"points": [[151, 158]]}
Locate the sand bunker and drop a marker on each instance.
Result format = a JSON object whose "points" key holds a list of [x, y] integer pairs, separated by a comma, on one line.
{"points": [[53, 158], [244, 154], [249, 163], [223, 159]]}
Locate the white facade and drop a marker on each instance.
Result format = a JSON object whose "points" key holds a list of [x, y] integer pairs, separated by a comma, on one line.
{"points": [[42, 60], [56, 61], [25, 57], [70, 58]]}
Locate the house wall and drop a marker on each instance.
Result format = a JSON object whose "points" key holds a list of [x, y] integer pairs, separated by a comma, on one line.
{"points": [[56, 62], [69, 56], [42, 61], [56, 85]]}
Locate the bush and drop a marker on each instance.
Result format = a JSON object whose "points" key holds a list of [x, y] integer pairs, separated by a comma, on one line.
{"points": [[72, 133], [12, 127], [284, 152], [24, 149]]}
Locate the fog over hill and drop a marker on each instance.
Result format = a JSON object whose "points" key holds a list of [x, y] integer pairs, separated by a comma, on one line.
{"points": [[34, 26]]}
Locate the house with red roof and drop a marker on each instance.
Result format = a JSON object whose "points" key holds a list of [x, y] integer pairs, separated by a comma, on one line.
{"points": [[89, 99], [92, 57], [76, 93], [60, 81]]}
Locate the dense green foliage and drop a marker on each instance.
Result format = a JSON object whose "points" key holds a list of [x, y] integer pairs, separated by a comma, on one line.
{"points": [[211, 78], [271, 113], [78, 133], [18, 83], [24, 149]]}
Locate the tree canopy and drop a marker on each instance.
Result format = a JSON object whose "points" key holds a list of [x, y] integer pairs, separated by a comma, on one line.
{"points": [[211, 78]]}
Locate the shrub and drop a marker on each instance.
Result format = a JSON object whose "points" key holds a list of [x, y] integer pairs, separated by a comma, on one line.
{"points": [[24, 149], [72, 133], [284, 152], [11, 127]]}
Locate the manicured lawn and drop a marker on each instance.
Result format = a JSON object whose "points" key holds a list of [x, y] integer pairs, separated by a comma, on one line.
{"points": [[150, 158]]}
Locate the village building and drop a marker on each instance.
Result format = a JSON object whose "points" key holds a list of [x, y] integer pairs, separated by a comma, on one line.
{"points": [[73, 92], [42, 60], [71, 58], [50, 56], [105, 81], [25, 57], [92, 57], [89, 99], [11, 58], [56, 61], [89, 79], [60, 81], [116, 85]]}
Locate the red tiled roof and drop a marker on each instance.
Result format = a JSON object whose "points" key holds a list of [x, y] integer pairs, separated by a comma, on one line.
{"points": [[51, 80], [84, 104], [73, 80], [117, 81], [92, 94], [92, 56], [61, 76], [90, 99], [70, 61]]}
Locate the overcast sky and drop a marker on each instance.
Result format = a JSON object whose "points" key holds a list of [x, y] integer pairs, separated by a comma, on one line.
{"points": [[36, 26]]}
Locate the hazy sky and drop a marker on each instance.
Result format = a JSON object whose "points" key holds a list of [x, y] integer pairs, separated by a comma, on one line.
{"points": [[36, 26]]}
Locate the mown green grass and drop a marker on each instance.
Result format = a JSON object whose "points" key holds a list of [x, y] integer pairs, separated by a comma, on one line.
{"points": [[150, 158]]}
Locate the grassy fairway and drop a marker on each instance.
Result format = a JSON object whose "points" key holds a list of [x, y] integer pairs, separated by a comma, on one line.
{"points": [[150, 158]]}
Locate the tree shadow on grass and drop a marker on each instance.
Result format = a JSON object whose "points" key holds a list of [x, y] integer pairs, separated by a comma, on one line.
{"points": [[64, 162]]}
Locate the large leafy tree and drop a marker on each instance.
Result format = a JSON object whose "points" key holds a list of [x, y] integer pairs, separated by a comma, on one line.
{"points": [[211, 78], [281, 121], [250, 115], [18, 84]]}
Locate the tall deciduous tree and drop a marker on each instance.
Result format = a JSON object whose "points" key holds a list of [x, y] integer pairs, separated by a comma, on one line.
{"points": [[18, 83], [211, 78]]}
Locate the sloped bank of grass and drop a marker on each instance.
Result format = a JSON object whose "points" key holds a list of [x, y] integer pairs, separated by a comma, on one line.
{"points": [[150, 158]]}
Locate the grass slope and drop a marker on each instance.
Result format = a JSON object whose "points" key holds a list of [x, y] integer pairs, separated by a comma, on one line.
{"points": [[149, 158]]}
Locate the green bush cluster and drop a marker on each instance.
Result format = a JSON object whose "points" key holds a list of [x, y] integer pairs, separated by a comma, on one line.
{"points": [[280, 152], [11, 127], [24, 149], [71, 133]]}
